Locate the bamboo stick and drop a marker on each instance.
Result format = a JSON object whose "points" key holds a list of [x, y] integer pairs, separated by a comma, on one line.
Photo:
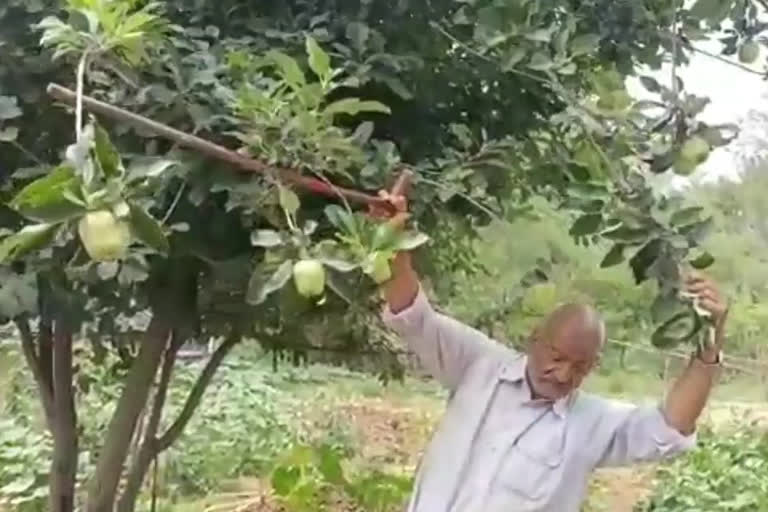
{"points": [[218, 152]]}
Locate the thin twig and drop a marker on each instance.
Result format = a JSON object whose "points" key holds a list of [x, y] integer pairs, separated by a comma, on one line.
{"points": [[175, 203], [27, 152], [707, 53], [464, 196]]}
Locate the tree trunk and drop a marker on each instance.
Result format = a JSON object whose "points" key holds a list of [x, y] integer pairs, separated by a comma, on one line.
{"points": [[63, 475], [196, 394], [154, 446], [147, 450], [102, 488], [34, 358]]}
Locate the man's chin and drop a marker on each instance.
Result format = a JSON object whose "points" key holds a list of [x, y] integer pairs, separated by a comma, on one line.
{"points": [[547, 391]]}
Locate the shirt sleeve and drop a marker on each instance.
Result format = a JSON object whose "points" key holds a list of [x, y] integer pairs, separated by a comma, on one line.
{"points": [[445, 347], [639, 434]]}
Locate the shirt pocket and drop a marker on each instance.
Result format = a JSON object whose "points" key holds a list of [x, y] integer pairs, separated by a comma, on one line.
{"points": [[533, 466]]}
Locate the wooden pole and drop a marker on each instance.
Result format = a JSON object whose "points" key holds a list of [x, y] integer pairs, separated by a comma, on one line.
{"points": [[215, 151]]}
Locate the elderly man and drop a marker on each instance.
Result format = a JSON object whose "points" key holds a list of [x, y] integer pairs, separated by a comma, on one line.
{"points": [[518, 435]]}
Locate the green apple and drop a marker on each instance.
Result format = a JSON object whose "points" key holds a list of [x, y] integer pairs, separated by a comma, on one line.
{"points": [[104, 237]]}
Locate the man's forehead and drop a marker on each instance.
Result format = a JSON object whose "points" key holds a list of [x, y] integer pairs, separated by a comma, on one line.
{"points": [[575, 326]]}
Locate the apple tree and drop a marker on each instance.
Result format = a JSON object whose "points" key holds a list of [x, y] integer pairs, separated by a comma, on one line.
{"points": [[119, 240]]}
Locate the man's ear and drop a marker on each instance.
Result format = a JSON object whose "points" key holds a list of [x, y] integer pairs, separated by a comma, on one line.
{"points": [[535, 336]]}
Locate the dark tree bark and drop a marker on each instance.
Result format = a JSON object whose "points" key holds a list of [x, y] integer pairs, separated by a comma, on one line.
{"points": [[153, 446], [50, 361], [34, 361], [102, 488], [196, 394], [65, 443], [147, 450]]}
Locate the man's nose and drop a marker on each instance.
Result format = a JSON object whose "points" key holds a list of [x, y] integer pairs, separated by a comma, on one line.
{"points": [[563, 374]]}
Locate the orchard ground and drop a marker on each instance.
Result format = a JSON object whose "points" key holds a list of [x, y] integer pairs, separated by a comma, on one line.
{"points": [[389, 425]]}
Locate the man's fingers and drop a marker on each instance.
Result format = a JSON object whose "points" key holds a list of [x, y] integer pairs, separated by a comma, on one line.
{"points": [[715, 307], [699, 285], [399, 202]]}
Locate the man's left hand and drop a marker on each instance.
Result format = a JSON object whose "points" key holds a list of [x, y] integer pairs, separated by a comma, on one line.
{"points": [[709, 299]]}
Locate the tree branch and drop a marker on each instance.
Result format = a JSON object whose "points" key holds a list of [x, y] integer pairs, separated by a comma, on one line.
{"points": [[196, 394], [33, 361]]}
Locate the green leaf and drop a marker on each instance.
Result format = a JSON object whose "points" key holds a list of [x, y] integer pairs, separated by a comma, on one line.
{"points": [[132, 270], [330, 465], [285, 479], [678, 329], [26, 240], [384, 236], [358, 33], [337, 264], [710, 9], [584, 44], [410, 241], [260, 287], [9, 134], [9, 108], [335, 215], [319, 61], [686, 216], [627, 235], [106, 153], [540, 62], [18, 294], [586, 225], [513, 57], [395, 85], [650, 84], [266, 238], [289, 201], [542, 35], [353, 106], [614, 256], [107, 270], [47, 199], [696, 232], [702, 261], [149, 169], [665, 306], [147, 230], [18, 486], [644, 258], [289, 68]]}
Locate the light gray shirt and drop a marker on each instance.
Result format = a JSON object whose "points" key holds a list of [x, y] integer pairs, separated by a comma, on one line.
{"points": [[496, 449]]}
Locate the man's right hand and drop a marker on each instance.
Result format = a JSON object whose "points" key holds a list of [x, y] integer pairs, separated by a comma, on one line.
{"points": [[397, 213], [401, 289]]}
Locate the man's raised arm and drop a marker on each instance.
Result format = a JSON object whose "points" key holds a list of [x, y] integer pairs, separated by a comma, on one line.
{"points": [[650, 433], [445, 347]]}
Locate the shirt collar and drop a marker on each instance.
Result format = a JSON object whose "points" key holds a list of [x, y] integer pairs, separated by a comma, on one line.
{"points": [[514, 371]]}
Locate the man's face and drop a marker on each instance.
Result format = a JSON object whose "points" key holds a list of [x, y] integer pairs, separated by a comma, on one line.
{"points": [[559, 361]]}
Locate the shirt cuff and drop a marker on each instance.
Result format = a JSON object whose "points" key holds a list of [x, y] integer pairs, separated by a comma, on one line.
{"points": [[410, 317], [668, 438]]}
